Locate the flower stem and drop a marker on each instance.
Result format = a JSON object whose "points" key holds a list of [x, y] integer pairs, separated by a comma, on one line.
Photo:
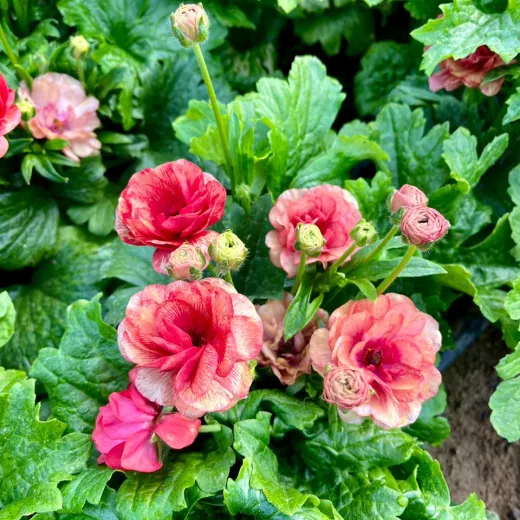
{"points": [[10, 54], [339, 262], [385, 284], [81, 73], [208, 428], [382, 244], [301, 272], [216, 110], [228, 278]]}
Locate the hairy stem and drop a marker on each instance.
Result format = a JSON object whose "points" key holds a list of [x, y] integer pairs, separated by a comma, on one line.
{"points": [[385, 284]]}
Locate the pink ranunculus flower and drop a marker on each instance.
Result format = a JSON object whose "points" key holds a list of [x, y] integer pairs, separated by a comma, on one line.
{"points": [[288, 359], [423, 227], [63, 111], [125, 430], [408, 196], [9, 114], [345, 387], [183, 259], [470, 71], [394, 345], [332, 209], [191, 342], [167, 206]]}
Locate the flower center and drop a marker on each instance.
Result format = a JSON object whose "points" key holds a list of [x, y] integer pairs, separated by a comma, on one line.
{"points": [[198, 339], [373, 357]]}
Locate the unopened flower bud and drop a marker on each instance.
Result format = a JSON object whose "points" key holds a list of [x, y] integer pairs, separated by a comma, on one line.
{"points": [[187, 263], [80, 46], [364, 233], [423, 227], [309, 240], [345, 387], [228, 252], [190, 24], [407, 196], [26, 108]]}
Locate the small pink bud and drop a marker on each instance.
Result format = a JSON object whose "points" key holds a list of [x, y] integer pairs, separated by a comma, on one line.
{"points": [[345, 387], [408, 196], [187, 263], [423, 226], [190, 24]]}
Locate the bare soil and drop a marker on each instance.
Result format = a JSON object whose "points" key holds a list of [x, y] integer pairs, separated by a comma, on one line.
{"points": [[475, 458]]}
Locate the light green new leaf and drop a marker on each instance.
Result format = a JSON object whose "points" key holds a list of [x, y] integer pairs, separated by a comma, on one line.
{"points": [[85, 370], [7, 318], [513, 108], [509, 366], [505, 403], [471, 509], [463, 28], [30, 471], [460, 154]]}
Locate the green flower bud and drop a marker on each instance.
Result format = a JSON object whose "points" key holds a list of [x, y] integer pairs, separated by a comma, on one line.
{"points": [[80, 46], [228, 252], [309, 240], [190, 24], [26, 108], [364, 233]]}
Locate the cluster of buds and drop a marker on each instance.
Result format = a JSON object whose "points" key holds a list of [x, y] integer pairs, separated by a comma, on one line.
{"points": [[421, 226], [309, 240], [190, 24]]}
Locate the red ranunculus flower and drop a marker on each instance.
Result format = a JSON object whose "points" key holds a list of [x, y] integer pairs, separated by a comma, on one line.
{"points": [[125, 428], [170, 205], [191, 343], [9, 114]]}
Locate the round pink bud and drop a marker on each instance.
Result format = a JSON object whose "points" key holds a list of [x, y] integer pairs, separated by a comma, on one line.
{"points": [[408, 196], [187, 263], [423, 226], [345, 387]]}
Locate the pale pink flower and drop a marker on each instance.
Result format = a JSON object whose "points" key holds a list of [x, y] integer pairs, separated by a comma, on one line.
{"points": [[125, 430], [345, 387], [191, 342], [469, 71], [331, 208], [423, 226], [185, 257], [288, 359], [9, 114], [63, 111], [394, 345], [408, 196]]}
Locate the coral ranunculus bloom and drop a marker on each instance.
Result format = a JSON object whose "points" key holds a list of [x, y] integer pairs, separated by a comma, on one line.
{"points": [[167, 206], [394, 344], [63, 111], [331, 208], [191, 343], [9, 114], [126, 425]]}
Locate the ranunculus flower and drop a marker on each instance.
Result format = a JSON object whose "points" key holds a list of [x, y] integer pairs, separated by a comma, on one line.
{"points": [[408, 196], [288, 359], [332, 209], [423, 226], [167, 206], [470, 72], [184, 259], [63, 111], [125, 428], [9, 114], [345, 387], [191, 342], [190, 24], [394, 345]]}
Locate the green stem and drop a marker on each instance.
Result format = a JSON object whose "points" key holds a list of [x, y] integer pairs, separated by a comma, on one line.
{"points": [[216, 111], [339, 262], [81, 73], [208, 428], [385, 284], [301, 272], [228, 278], [9, 51], [211, 268], [382, 244]]}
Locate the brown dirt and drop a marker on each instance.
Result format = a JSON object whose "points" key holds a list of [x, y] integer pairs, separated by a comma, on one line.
{"points": [[475, 458]]}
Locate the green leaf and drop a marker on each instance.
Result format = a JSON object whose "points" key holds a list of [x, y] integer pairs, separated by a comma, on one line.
{"points": [[43, 166], [463, 28], [415, 157], [460, 153], [333, 166], [7, 318], [85, 370], [196, 120], [423, 9], [301, 311], [472, 509], [156, 496], [300, 112], [366, 287], [509, 366], [383, 67], [505, 403], [28, 227], [513, 108], [258, 277], [30, 471]]}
